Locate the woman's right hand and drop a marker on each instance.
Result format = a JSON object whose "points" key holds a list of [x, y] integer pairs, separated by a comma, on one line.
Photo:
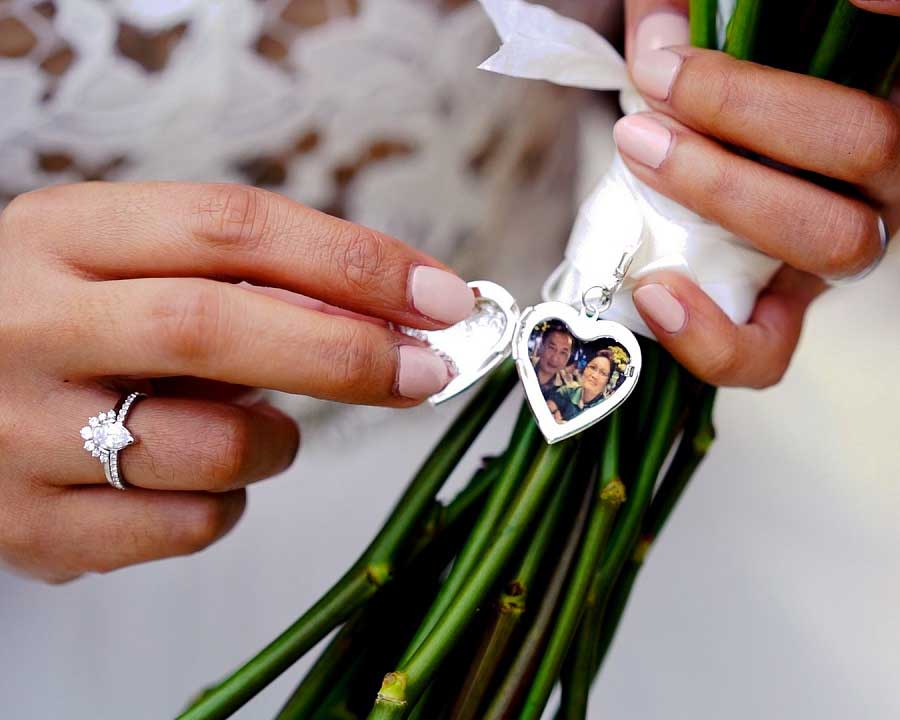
{"points": [[109, 287]]}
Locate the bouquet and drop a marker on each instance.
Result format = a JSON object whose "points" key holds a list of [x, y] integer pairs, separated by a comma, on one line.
{"points": [[480, 607]]}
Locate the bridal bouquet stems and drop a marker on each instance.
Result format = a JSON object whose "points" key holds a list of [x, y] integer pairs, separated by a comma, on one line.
{"points": [[478, 608]]}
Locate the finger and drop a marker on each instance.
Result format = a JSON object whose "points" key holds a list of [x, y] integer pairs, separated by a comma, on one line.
{"points": [[701, 337], [180, 444], [886, 7], [309, 303], [794, 119], [122, 230], [198, 388], [99, 529], [666, 25], [157, 327], [809, 227]]}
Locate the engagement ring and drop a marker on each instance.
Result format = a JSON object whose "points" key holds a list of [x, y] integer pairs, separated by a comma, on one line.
{"points": [[105, 435]]}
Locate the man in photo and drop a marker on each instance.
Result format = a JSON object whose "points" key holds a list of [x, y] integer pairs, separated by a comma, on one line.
{"points": [[552, 358]]}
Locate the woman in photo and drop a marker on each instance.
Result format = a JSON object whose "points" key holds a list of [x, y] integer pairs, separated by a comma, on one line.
{"points": [[571, 400]]}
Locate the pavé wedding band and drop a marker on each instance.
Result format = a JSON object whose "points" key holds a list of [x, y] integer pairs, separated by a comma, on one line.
{"points": [[105, 435], [885, 238]]}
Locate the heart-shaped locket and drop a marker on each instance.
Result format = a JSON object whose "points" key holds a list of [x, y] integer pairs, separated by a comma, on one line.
{"points": [[575, 369], [476, 345]]}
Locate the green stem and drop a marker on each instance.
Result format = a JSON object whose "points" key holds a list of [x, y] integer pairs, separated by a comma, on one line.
{"points": [[698, 437], [336, 702], [578, 675], [834, 41], [511, 607], [333, 663], [320, 680], [392, 698], [640, 492], [467, 499], [740, 35], [886, 83], [703, 23], [420, 669], [610, 495], [424, 709], [372, 569], [437, 468], [654, 358], [523, 445], [515, 684]]}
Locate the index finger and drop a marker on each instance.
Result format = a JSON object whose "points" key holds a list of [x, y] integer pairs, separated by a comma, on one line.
{"points": [[159, 229]]}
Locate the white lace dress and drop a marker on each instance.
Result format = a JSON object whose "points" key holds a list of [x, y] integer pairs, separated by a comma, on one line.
{"points": [[372, 109]]}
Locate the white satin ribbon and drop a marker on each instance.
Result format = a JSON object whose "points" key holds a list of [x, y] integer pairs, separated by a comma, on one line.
{"points": [[622, 214]]}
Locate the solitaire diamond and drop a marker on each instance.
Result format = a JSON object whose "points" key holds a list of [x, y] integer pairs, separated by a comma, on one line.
{"points": [[111, 436]]}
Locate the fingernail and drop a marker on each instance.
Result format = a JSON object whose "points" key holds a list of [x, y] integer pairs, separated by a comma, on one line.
{"points": [[440, 295], [643, 139], [654, 68], [422, 373], [663, 308]]}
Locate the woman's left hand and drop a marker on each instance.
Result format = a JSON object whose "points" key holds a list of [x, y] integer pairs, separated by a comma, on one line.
{"points": [[707, 107]]}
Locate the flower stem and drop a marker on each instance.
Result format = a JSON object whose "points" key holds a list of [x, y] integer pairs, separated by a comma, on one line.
{"points": [[523, 446], [335, 661], [372, 570], [836, 38], [886, 82], [609, 496], [577, 676], [515, 685], [703, 23], [740, 35], [660, 435], [424, 663], [511, 606], [695, 442], [698, 437]]}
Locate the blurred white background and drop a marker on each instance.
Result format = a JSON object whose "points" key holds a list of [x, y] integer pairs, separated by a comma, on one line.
{"points": [[773, 593]]}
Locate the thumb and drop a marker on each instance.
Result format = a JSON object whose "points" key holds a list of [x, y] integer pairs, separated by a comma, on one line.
{"points": [[650, 26], [885, 7]]}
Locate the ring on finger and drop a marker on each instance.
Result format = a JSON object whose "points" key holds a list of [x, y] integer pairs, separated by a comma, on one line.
{"points": [[105, 435]]}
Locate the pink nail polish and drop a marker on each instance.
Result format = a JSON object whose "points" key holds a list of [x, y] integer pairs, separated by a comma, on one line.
{"points": [[654, 68], [422, 373], [661, 306], [440, 295], [643, 139]]}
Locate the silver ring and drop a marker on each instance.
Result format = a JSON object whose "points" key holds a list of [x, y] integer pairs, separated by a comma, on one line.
{"points": [[105, 435], [885, 237]]}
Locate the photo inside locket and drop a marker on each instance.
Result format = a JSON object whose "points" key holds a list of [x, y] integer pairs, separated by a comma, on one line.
{"points": [[575, 375]]}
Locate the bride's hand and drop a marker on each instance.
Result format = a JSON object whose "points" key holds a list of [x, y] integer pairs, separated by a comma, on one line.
{"points": [[707, 108], [106, 286]]}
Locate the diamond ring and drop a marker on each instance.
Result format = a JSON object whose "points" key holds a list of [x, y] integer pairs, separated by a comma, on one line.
{"points": [[105, 435]]}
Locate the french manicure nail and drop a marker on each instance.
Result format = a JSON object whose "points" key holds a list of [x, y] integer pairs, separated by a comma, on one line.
{"points": [[661, 306], [422, 373], [440, 295], [654, 68], [643, 139]]}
